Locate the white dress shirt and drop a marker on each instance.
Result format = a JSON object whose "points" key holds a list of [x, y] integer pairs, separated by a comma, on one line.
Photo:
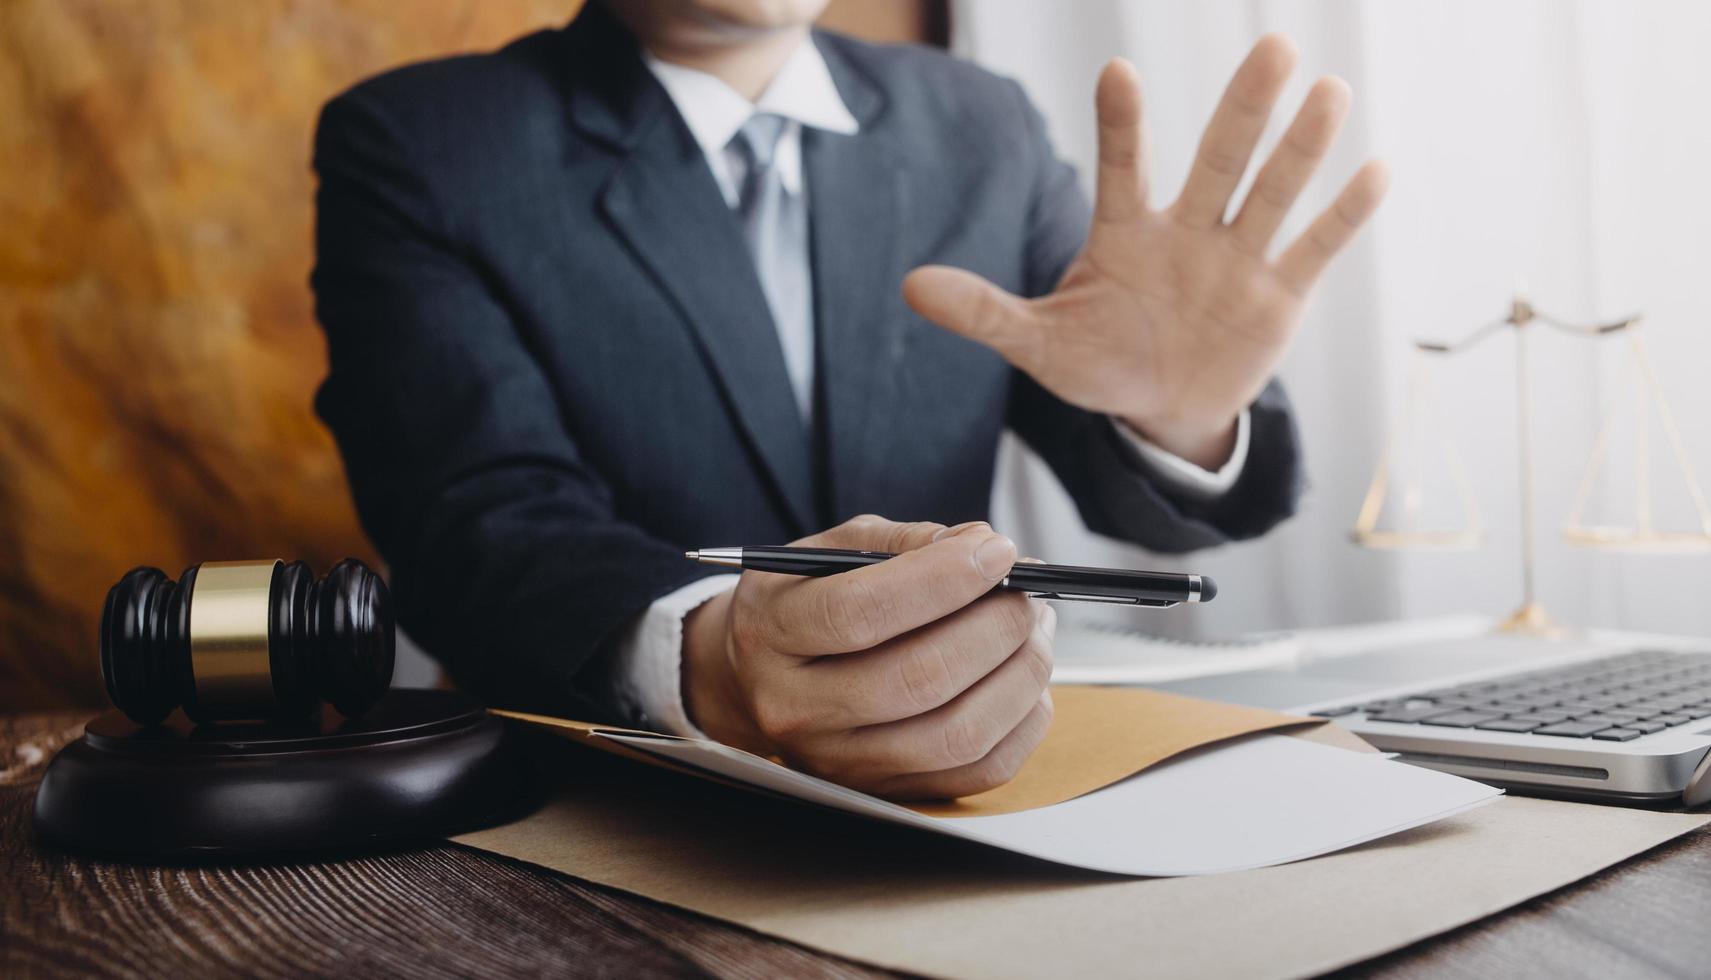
{"points": [[649, 666]]}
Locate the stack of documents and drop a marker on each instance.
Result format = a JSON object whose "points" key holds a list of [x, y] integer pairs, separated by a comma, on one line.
{"points": [[1129, 781]]}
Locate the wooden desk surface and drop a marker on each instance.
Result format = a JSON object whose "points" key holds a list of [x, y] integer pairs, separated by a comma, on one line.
{"points": [[455, 912]]}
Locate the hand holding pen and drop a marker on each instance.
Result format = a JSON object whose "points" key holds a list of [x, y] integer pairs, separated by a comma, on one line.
{"points": [[916, 676], [900, 659]]}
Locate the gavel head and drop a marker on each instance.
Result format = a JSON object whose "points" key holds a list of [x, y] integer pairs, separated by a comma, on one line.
{"points": [[246, 640]]}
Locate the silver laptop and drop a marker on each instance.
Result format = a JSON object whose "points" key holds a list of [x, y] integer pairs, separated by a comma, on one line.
{"points": [[1616, 722]]}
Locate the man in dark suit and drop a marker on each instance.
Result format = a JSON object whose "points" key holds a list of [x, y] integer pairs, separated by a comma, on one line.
{"points": [[644, 284]]}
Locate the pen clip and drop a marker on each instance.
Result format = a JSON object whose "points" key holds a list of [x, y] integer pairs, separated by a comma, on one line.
{"points": [[1113, 599]]}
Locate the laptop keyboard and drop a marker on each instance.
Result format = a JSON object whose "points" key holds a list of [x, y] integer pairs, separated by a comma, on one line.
{"points": [[1614, 699]]}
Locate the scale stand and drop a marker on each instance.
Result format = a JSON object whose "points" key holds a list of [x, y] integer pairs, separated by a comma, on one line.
{"points": [[1530, 617]]}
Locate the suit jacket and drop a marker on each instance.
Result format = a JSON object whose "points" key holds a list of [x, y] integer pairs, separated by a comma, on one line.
{"points": [[552, 367]]}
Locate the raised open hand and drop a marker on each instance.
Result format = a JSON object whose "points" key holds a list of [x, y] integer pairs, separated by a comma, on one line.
{"points": [[1173, 320]]}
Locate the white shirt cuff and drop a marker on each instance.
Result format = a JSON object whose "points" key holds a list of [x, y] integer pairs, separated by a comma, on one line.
{"points": [[1183, 476], [648, 671]]}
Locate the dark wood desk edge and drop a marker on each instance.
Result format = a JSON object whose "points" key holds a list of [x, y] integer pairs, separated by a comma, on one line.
{"points": [[451, 910], [440, 910]]}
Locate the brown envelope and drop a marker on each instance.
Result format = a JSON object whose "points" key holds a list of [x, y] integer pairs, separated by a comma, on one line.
{"points": [[1099, 735]]}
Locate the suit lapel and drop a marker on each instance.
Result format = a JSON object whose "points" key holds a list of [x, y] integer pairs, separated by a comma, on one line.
{"points": [[665, 205], [857, 199], [669, 210]]}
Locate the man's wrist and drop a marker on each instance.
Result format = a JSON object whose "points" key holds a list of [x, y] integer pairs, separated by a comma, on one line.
{"points": [[1206, 445], [711, 694]]}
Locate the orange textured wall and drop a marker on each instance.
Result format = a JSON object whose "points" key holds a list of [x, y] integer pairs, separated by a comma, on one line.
{"points": [[158, 350], [157, 346]]}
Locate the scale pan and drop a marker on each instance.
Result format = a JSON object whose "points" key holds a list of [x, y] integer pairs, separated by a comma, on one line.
{"points": [[1644, 542]]}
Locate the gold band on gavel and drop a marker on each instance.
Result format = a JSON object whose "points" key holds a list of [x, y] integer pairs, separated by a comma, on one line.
{"points": [[229, 610]]}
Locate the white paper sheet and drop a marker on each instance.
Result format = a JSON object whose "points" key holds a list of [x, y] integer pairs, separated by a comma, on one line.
{"points": [[1248, 803]]}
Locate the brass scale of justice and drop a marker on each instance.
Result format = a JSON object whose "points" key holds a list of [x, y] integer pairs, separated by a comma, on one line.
{"points": [[1641, 535]]}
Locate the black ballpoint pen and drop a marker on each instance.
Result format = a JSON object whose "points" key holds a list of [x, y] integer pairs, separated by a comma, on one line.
{"points": [[1038, 580]]}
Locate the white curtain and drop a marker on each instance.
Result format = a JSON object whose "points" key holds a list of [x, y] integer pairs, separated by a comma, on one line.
{"points": [[1563, 144]]}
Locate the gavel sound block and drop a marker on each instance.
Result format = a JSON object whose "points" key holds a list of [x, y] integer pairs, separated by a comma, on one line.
{"points": [[254, 718]]}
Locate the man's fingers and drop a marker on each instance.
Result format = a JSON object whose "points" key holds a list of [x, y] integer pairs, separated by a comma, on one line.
{"points": [[870, 532], [864, 608], [923, 670], [1234, 130], [1291, 164], [1121, 194], [959, 528], [966, 727], [997, 768], [964, 303], [1302, 263]]}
